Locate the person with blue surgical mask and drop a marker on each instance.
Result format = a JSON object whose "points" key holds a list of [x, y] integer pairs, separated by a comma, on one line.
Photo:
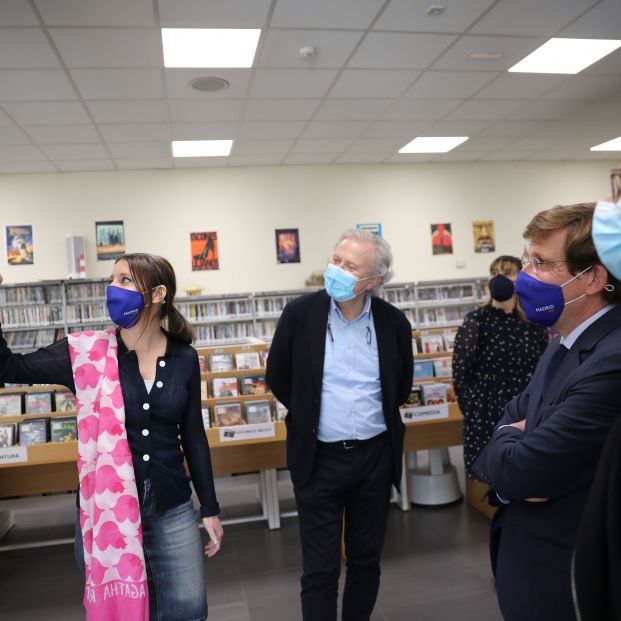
{"points": [[542, 457], [341, 363]]}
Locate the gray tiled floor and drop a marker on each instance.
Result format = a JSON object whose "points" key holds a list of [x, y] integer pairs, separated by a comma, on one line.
{"points": [[435, 567]]}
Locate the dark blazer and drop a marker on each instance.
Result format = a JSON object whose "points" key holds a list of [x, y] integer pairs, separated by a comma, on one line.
{"points": [[567, 423], [295, 374]]}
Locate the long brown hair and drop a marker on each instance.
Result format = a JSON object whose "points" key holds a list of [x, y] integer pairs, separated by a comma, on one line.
{"points": [[149, 271]]}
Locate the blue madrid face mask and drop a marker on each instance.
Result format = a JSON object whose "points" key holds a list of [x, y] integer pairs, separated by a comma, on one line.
{"points": [[607, 235], [124, 306], [543, 302], [340, 284]]}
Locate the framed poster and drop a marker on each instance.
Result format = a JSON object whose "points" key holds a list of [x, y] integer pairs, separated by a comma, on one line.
{"points": [[19, 247], [287, 246], [110, 239], [483, 231], [373, 227], [204, 251], [441, 239]]}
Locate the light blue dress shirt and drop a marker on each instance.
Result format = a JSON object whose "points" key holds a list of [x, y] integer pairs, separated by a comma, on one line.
{"points": [[351, 393]]}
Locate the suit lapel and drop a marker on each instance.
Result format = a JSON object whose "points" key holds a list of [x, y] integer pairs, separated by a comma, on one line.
{"points": [[318, 324], [382, 333]]}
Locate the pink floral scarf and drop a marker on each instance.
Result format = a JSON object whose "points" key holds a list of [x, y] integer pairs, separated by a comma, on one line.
{"points": [[116, 582]]}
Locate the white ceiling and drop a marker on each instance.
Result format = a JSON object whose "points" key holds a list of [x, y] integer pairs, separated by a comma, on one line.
{"points": [[82, 83]]}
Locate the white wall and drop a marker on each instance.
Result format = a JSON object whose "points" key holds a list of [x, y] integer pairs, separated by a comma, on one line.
{"points": [[245, 205]]}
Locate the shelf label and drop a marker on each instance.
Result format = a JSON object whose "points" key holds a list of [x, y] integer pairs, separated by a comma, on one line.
{"points": [[13, 455], [235, 433], [425, 412]]}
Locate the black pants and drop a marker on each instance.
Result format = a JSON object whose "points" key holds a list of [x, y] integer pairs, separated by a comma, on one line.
{"points": [[356, 480]]}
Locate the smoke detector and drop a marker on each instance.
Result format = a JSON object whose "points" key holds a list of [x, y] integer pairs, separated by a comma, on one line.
{"points": [[208, 85], [308, 52], [436, 9]]}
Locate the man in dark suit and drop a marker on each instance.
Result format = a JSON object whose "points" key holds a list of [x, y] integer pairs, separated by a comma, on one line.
{"points": [[543, 455], [341, 363]]}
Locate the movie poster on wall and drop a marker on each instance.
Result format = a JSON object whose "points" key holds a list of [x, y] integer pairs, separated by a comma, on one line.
{"points": [[483, 231], [441, 239], [19, 246], [204, 250], [110, 239], [287, 245], [373, 227]]}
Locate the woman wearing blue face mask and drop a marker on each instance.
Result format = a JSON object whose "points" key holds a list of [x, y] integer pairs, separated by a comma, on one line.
{"points": [[146, 395], [495, 354]]}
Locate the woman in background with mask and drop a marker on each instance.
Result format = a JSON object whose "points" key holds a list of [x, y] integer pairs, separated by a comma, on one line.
{"points": [[495, 354], [138, 404]]}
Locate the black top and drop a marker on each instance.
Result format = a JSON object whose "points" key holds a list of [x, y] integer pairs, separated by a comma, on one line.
{"points": [[155, 433], [494, 357]]}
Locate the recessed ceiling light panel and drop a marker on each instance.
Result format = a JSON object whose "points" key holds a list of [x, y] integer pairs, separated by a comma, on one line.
{"points": [[568, 56], [611, 145], [209, 47], [201, 148], [432, 144]]}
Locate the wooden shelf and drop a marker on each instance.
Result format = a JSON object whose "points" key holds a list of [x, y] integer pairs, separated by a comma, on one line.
{"points": [[217, 400], [234, 373], [435, 433], [438, 354]]}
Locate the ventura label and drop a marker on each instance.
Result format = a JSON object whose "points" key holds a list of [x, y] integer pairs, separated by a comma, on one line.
{"points": [[13, 455], [235, 433], [425, 412]]}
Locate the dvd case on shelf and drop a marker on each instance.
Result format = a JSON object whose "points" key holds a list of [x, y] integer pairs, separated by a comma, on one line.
{"points": [[253, 385], [258, 412], [435, 394], [34, 431], [224, 387], [204, 390], [65, 401], [264, 354], [248, 360], [416, 396], [64, 429], [449, 340], [37, 402], [227, 414], [205, 413], [220, 362], [8, 434], [10, 404], [423, 369], [443, 367], [431, 343], [201, 363], [280, 410]]}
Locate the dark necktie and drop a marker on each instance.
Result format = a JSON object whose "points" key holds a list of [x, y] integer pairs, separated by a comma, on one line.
{"points": [[554, 364]]}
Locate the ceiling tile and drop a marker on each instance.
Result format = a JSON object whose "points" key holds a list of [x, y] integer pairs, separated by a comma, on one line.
{"points": [[96, 13], [135, 132], [600, 22], [5, 121], [20, 153], [63, 134], [193, 110], [520, 86], [75, 151], [385, 50], [335, 129], [512, 49], [450, 84], [48, 113], [377, 145], [310, 158], [258, 130], [25, 48], [9, 168], [292, 82], [92, 165], [177, 83], [119, 83], [352, 109], [258, 147], [134, 111], [360, 158], [531, 143], [484, 110], [143, 163], [531, 17], [456, 128], [505, 156], [200, 162], [17, 13], [512, 128], [477, 143], [406, 130], [255, 160], [280, 109], [584, 87], [412, 158], [203, 131], [545, 109], [137, 150], [281, 48], [548, 156], [213, 14], [420, 109], [609, 65], [372, 83], [13, 135], [321, 145], [412, 15], [108, 47], [351, 14], [38, 85], [460, 156], [595, 111]]}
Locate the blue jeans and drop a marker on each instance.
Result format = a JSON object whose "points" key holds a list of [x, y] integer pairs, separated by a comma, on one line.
{"points": [[174, 557]]}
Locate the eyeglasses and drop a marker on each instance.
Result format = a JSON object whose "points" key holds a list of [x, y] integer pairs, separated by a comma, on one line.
{"points": [[542, 266]]}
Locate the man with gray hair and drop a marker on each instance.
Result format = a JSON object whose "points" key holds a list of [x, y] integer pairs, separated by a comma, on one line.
{"points": [[341, 363]]}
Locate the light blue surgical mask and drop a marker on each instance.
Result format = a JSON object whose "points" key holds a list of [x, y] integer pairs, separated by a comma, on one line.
{"points": [[607, 235], [340, 284]]}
